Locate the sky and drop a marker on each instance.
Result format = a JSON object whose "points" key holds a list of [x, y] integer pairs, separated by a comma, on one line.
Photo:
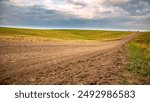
{"points": [[76, 14]]}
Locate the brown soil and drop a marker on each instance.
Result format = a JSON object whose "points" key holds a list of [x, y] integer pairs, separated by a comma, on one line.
{"points": [[65, 63]]}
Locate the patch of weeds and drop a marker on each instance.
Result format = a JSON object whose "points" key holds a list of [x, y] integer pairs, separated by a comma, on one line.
{"points": [[139, 55], [125, 82]]}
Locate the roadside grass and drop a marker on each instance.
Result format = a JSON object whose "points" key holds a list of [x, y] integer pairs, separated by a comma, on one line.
{"points": [[91, 35], [139, 55]]}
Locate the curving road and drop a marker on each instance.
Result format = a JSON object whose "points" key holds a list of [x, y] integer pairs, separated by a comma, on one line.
{"points": [[62, 62]]}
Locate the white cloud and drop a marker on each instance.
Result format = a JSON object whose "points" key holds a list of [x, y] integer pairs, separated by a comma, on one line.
{"points": [[87, 9], [98, 1], [141, 17], [25, 2], [108, 2]]}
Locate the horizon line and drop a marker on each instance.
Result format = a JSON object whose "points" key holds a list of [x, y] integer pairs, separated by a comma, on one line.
{"points": [[60, 28]]}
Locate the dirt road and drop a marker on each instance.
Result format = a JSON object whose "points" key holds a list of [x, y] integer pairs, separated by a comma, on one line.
{"points": [[62, 62]]}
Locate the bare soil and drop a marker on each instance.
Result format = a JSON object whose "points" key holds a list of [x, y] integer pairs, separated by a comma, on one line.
{"points": [[65, 63]]}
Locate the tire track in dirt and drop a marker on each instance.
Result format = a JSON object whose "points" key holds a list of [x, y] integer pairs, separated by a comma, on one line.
{"points": [[51, 63]]}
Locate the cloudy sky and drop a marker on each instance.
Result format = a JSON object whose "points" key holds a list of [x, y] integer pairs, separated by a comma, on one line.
{"points": [[89, 14]]}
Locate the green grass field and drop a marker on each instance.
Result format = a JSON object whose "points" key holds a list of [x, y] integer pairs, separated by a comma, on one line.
{"points": [[92, 35], [139, 53]]}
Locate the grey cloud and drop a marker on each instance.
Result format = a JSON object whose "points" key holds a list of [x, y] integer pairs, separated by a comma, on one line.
{"points": [[40, 17], [81, 3]]}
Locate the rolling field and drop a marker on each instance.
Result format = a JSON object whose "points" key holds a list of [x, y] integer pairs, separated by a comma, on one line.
{"points": [[58, 60], [92, 35]]}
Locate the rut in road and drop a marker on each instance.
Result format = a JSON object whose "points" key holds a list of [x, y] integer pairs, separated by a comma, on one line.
{"points": [[62, 63]]}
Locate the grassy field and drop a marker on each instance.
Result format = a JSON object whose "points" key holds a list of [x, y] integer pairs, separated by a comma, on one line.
{"points": [[93, 35], [139, 52]]}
